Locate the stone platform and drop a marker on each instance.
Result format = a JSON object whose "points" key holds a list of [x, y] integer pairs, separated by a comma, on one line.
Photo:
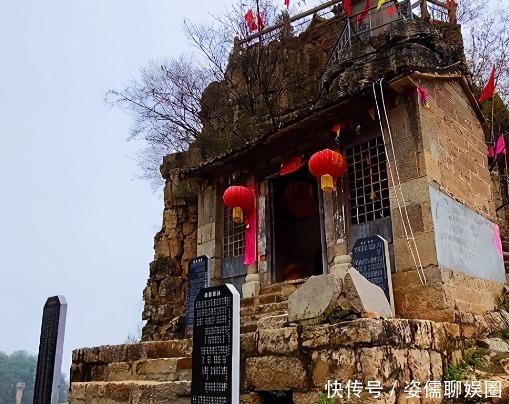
{"points": [[284, 358]]}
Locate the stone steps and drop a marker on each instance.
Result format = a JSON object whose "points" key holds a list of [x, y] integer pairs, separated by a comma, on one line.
{"points": [[250, 316], [148, 372], [132, 391], [272, 301], [261, 311], [162, 370], [285, 288]]}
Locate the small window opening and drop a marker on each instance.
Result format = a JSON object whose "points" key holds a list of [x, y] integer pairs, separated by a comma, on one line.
{"points": [[234, 236]]}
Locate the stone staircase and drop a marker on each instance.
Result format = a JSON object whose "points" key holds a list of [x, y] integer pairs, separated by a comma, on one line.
{"points": [[271, 302], [149, 372], [160, 371]]}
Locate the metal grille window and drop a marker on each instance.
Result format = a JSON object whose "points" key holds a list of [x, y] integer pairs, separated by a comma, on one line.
{"points": [[367, 176], [234, 241]]}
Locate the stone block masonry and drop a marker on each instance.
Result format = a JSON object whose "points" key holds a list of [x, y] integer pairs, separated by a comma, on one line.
{"points": [[297, 359], [454, 147]]}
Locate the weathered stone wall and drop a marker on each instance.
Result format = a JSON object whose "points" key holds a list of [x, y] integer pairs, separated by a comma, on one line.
{"points": [[174, 246], [455, 151], [300, 359], [442, 146]]}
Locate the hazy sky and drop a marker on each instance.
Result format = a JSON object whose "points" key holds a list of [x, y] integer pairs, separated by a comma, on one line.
{"points": [[72, 221]]}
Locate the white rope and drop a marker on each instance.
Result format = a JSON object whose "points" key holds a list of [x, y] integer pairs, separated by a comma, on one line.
{"points": [[397, 186]]}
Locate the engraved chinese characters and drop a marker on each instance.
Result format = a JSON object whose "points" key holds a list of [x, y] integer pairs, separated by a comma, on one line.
{"points": [[370, 257], [216, 346], [198, 279]]}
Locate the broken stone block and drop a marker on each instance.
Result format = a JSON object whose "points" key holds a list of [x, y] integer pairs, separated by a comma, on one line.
{"points": [[505, 364], [314, 297], [340, 269], [271, 322], [495, 345], [365, 297]]}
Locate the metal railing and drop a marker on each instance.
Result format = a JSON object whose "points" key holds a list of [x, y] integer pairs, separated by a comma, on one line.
{"points": [[298, 23], [365, 29]]}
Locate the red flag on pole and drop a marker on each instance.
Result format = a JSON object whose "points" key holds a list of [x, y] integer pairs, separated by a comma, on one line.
{"points": [[347, 5], [261, 24], [287, 3], [489, 90], [250, 19], [364, 13], [500, 149]]}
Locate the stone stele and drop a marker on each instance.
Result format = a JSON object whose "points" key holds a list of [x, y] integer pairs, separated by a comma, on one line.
{"points": [[313, 297], [364, 296]]}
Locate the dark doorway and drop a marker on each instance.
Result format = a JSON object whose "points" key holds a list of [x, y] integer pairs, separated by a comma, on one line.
{"points": [[296, 244]]}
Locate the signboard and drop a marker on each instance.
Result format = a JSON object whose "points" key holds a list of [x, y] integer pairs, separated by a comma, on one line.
{"points": [[465, 241], [198, 275], [51, 346], [216, 346], [370, 256]]}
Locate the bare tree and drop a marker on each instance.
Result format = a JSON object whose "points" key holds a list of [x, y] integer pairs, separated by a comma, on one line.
{"points": [[217, 97], [223, 94], [487, 45]]}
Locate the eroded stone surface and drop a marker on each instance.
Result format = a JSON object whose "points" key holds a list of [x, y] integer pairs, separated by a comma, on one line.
{"points": [[314, 297], [364, 296]]}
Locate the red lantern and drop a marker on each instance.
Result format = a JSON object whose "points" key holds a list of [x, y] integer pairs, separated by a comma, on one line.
{"points": [[239, 199], [327, 165]]}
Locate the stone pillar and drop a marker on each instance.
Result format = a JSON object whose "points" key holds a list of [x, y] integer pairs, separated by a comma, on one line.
{"points": [[20, 388], [252, 286]]}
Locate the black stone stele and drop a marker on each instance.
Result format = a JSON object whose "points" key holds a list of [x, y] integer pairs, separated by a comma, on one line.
{"points": [[198, 275], [216, 346], [51, 343], [370, 258]]}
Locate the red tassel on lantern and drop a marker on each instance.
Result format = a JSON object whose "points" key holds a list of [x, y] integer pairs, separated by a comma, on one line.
{"points": [[327, 165], [239, 199]]}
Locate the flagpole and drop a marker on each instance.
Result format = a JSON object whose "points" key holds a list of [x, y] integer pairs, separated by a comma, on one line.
{"points": [[258, 15]]}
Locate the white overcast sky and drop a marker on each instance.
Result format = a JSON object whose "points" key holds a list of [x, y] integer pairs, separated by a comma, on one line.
{"points": [[72, 220]]}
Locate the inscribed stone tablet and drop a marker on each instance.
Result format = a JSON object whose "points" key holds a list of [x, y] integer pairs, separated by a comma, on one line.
{"points": [[51, 346], [370, 257], [198, 275], [216, 346]]}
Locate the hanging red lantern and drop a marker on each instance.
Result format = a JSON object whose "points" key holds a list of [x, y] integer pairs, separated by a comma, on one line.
{"points": [[327, 165], [239, 199]]}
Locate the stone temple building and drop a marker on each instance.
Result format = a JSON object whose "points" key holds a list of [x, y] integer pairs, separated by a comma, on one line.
{"points": [[390, 92]]}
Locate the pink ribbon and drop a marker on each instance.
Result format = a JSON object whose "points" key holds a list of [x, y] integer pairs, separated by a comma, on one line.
{"points": [[250, 231]]}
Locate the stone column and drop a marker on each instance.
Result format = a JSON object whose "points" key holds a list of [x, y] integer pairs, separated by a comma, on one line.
{"points": [[252, 286], [20, 388]]}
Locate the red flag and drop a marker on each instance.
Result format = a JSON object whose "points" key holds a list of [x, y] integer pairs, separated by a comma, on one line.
{"points": [[391, 10], [251, 23], [261, 24], [348, 7], [364, 13], [500, 149], [489, 90], [423, 94], [287, 3]]}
